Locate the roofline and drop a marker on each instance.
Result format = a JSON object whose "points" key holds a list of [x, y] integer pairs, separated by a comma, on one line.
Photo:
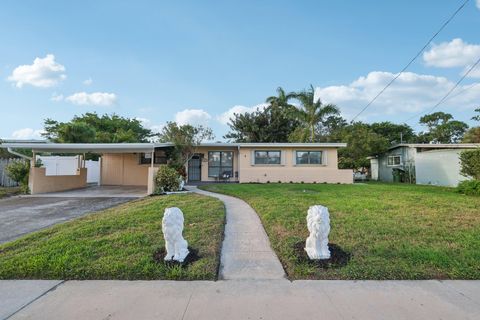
{"points": [[84, 147], [437, 145], [148, 147], [294, 145]]}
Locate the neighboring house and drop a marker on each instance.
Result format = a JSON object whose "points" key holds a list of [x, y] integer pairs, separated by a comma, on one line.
{"points": [[435, 164], [135, 164]]}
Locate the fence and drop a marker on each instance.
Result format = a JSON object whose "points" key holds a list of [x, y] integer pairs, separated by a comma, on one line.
{"points": [[5, 180]]}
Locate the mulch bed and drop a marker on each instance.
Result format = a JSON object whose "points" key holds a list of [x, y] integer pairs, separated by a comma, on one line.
{"points": [[192, 257], [338, 257]]}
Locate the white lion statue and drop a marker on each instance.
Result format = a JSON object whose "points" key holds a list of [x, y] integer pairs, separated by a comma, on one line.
{"points": [[318, 223], [172, 227]]}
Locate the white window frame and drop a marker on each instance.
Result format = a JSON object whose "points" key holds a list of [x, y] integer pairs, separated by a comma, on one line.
{"points": [[393, 161]]}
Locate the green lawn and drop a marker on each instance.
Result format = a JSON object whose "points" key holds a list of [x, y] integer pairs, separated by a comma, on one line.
{"points": [[6, 192], [119, 243], [392, 231]]}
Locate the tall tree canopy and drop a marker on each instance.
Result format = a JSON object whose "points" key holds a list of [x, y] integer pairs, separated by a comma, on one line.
{"points": [[473, 134], [92, 128], [312, 112], [442, 128], [273, 124], [394, 133], [362, 142]]}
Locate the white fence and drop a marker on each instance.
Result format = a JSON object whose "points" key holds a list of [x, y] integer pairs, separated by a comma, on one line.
{"points": [[5, 180], [93, 171], [59, 165], [68, 166]]}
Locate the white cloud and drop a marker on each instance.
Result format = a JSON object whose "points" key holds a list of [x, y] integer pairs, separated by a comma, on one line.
{"points": [[44, 72], [88, 82], [56, 97], [410, 93], [103, 99], [225, 117], [27, 133], [455, 53], [147, 123], [478, 4], [192, 117]]}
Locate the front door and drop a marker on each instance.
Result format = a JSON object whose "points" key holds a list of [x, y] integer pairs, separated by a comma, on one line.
{"points": [[195, 169]]}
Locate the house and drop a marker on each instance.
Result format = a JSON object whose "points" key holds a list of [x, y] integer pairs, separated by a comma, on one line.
{"points": [[135, 164], [435, 164]]}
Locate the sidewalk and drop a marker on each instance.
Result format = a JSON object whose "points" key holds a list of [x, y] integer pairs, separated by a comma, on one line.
{"points": [[246, 299], [246, 251]]}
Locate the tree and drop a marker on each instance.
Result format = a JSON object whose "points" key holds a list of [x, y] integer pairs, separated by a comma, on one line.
{"points": [[186, 140], [362, 142], [472, 135], [442, 128], [311, 111], [281, 100], [470, 163], [273, 124], [19, 171], [477, 117], [394, 133], [91, 128], [76, 132]]}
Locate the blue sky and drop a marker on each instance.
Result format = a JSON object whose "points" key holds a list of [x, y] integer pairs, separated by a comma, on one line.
{"points": [[200, 61]]}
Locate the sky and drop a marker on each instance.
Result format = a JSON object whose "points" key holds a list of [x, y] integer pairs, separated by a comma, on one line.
{"points": [[199, 62]]}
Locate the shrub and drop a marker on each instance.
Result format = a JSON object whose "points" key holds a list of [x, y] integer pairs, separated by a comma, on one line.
{"points": [[18, 171], [469, 187], [470, 163], [167, 180]]}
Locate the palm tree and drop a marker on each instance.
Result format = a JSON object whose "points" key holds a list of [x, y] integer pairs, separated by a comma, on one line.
{"points": [[281, 100], [311, 112]]}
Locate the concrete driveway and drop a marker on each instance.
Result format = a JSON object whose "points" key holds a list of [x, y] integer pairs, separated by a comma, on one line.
{"points": [[24, 214]]}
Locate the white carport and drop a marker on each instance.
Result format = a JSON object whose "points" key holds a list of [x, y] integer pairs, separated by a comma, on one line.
{"points": [[40, 182]]}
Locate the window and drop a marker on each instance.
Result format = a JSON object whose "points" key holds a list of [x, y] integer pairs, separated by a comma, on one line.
{"points": [[160, 157], [267, 157], [219, 163], [394, 160], [309, 157]]}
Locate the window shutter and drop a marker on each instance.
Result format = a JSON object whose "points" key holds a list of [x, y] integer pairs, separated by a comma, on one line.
{"points": [[324, 157], [294, 157], [252, 157], [282, 157]]}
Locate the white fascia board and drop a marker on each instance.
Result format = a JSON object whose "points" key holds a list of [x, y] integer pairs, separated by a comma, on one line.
{"points": [[83, 147]]}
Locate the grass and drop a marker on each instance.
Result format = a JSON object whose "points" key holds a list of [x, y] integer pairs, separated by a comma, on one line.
{"points": [[392, 231], [119, 243], [7, 192]]}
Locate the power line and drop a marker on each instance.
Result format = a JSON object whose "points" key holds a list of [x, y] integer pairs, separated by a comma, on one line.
{"points": [[448, 93], [413, 59], [461, 92]]}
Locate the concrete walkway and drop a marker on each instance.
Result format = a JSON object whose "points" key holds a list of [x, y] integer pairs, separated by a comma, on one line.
{"points": [[246, 299], [246, 252]]}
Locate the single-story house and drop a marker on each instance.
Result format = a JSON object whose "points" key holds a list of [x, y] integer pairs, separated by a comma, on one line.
{"points": [[135, 164], [435, 164]]}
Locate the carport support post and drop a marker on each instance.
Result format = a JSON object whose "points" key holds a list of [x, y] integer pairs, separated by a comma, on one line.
{"points": [[152, 159], [34, 155]]}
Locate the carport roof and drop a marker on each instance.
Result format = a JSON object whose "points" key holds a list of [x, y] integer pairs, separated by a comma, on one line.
{"points": [[86, 147]]}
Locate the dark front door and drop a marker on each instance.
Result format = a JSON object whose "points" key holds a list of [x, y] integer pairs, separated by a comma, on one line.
{"points": [[195, 169]]}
